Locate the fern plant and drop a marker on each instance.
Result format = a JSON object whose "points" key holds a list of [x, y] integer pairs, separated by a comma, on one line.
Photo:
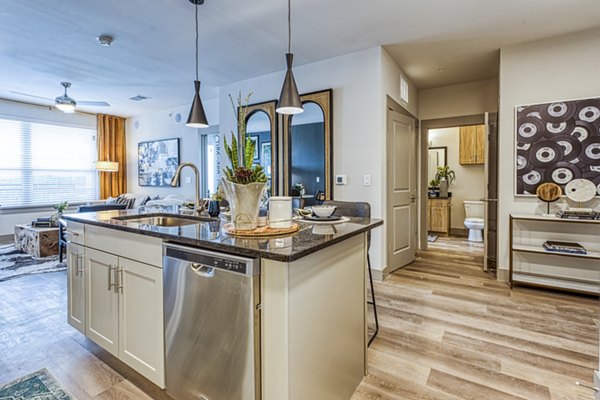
{"points": [[242, 170]]}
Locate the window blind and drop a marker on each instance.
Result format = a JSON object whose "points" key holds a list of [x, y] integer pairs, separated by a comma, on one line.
{"points": [[43, 163]]}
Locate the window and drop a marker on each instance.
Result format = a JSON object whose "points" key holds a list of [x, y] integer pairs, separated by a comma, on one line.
{"points": [[210, 160], [43, 164]]}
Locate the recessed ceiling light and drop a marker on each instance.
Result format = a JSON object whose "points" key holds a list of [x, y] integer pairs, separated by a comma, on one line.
{"points": [[104, 40]]}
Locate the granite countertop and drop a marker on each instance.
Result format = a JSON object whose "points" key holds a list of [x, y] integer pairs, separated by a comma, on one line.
{"points": [[209, 235]]}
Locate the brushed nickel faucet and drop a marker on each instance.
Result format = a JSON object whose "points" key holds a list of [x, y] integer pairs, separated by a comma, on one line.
{"points": [[198, 206]]}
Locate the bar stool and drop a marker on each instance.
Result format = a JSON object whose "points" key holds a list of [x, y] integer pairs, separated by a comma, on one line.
{"points": [[360, 210]]}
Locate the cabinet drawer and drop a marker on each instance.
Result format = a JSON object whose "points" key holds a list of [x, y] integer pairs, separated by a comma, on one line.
{"points": [[134, 246], [75, 232]]}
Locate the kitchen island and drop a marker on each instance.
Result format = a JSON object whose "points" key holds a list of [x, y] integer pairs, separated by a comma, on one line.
{"points": [[310, 322]]}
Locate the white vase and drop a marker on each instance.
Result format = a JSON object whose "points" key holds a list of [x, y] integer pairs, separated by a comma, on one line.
{"points": [[244, 201]]}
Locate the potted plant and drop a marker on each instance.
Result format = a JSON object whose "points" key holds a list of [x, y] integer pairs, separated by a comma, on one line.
{"points": [[298, 189], [445, 176], [60, 208], [244, 182]]}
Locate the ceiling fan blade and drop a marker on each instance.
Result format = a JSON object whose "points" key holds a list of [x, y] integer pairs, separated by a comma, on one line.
{"points": [[31, 95], [93, 103]]}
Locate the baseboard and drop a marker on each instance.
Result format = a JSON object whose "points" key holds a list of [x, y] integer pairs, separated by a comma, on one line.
{"points": [[459, 232], [597, 384], [502, 275], [377, 275]]}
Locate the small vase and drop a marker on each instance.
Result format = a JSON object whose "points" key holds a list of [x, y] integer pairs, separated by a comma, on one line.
{"points": [[244, 201], [213, 208], [444, 189]]}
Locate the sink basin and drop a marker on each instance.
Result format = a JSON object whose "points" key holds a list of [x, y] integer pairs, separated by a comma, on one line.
{"points": [[163, 220]]}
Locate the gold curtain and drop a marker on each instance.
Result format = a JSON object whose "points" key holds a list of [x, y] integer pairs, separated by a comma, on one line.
{"points": [[111, 147]]}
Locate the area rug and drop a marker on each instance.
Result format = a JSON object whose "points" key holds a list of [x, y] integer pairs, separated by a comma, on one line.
{"points": [[14, 263], [37, 386]]}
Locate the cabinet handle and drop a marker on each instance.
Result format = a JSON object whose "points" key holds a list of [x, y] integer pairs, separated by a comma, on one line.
{"points": [[120, 279], [80, 264], [71, 233], [111, 284]]}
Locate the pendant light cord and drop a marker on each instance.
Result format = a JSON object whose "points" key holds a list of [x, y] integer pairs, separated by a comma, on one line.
{"points": [[289, 26], [196, 40]]}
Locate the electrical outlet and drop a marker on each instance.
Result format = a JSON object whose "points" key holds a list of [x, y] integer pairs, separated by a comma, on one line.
{"points": [[188, 179], [367, 180], [318, 179]]}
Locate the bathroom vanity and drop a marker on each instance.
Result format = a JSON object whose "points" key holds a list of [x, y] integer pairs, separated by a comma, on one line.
{"points": [[308, 337]]}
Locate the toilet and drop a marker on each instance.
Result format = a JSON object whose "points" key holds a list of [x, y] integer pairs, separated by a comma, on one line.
{"points": [[474, 212]]}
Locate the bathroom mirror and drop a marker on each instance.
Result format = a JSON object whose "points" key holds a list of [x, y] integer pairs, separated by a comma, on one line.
{"points": [[438, 157], [261, 127], [308, 148]]}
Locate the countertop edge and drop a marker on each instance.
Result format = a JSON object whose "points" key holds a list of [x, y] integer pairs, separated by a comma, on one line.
{"points": [[228, 248]]}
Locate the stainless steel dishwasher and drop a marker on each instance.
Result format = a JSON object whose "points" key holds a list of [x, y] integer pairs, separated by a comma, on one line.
{"points": [[212, 324]]}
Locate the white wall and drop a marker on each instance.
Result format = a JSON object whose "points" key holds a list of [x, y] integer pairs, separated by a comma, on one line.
{"points": [[162, 125], [8, 109], [559, 68], [459, 100], [470, 179], [358, 118]]}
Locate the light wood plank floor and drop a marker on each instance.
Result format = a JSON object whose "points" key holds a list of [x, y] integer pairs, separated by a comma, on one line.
{"points": [[448, 331]]}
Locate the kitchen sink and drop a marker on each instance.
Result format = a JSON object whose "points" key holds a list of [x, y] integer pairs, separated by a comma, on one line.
{"points": [[163, 220]]}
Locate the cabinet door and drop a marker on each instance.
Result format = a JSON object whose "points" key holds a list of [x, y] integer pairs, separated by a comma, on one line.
{"points": [[467, 152], [102, 322], [76, 287], [439, 219], [480, 140], [141, 336]]}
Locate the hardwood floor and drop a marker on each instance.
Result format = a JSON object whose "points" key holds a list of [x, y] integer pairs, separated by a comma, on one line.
{"points": [[447, 331]]}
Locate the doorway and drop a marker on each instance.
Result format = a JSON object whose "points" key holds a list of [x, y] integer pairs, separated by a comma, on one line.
{"points": [[465, 220]]}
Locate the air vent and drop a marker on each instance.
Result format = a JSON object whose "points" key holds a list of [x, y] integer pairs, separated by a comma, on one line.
{"points": [[138, 98]]}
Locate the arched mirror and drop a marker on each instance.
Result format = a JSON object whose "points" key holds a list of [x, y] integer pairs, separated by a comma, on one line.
{"points": [[261, 127], [308, 149]]}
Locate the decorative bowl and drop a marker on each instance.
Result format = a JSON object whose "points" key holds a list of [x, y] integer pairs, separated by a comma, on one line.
{"points": [[323, 211]]}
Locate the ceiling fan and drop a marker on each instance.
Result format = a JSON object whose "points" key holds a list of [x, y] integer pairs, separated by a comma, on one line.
{"points": [[66, 103]]}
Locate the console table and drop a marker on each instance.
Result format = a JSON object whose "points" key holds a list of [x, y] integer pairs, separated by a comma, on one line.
{"points": [[532, 265], [38, 242]]}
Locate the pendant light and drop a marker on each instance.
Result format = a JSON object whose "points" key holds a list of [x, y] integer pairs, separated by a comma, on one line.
{"points": [[197, 117], [289, 100]]}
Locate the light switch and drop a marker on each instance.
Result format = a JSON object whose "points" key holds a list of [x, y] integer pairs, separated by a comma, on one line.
{"points": [[188, 179], [367, 180]]}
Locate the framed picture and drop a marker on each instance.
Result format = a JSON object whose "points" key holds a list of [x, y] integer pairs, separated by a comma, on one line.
{"points": [[556, 142], [256, 144], [157, 162], [265, 157]]}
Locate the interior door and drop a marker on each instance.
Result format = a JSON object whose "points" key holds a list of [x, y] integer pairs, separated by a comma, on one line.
{"points": [[401, 213], [491, 191], [102, 317]]}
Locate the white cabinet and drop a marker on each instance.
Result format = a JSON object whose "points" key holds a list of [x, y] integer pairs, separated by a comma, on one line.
{"points": [[125, 311], [141, 343], [76, 287], [102, 325]]}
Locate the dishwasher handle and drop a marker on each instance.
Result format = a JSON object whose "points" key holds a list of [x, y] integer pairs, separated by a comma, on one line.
{"points": [[203, 270]]}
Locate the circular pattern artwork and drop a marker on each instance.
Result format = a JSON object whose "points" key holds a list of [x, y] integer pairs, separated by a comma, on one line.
{"points": [[557, 143]]}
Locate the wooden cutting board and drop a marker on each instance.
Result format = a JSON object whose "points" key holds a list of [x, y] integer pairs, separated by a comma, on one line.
{"points": [[263, 231]]}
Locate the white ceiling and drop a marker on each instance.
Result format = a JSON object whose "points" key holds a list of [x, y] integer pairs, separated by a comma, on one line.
{"points": [[437, 42]]}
